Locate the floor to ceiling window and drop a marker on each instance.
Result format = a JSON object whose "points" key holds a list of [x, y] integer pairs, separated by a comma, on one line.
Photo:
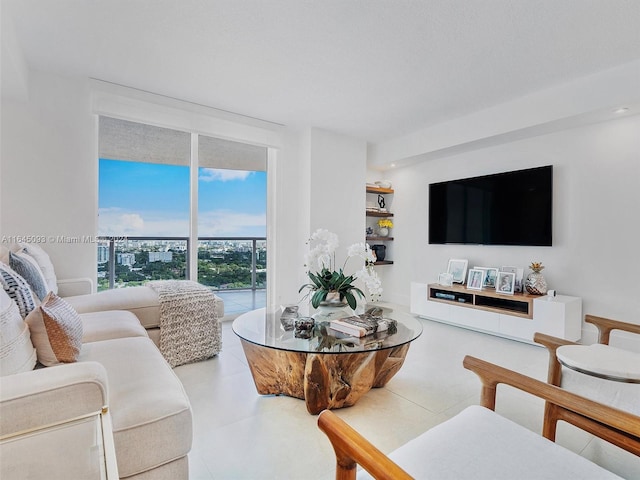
{"points": [[232, 214], [146, 212]]}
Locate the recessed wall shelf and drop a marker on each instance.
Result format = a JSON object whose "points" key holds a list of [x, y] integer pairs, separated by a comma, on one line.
{"points": [[371, 196]]}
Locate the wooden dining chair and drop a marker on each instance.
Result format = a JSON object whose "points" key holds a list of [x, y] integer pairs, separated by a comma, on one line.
{"points": [[594, 383]]}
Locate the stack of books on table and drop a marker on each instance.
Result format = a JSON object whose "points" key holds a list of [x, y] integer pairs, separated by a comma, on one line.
{"points": [[358, 326]]}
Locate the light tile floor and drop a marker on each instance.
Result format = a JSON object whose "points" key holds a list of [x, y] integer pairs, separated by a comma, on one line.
{"points": [[239, 301], [239, 434]]}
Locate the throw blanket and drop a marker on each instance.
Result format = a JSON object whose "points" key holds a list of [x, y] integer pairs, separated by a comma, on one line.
{"points": [[190, 330]]}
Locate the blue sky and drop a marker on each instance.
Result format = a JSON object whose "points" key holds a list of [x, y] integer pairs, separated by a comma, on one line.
{"points": [[145, 199]]}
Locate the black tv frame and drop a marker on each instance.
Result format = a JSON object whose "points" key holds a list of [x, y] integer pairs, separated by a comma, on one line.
{"points": [[512, 208]]}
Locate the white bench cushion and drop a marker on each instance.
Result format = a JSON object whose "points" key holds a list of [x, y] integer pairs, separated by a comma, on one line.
{"points": [[480, 444], [142, 301], [97, 326], [147, 402]]}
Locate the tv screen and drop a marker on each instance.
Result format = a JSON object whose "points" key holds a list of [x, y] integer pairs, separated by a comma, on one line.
{"points": [[512, 208]]}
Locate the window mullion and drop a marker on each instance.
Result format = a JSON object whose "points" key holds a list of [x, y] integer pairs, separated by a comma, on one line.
{"points": [[192, 271]]}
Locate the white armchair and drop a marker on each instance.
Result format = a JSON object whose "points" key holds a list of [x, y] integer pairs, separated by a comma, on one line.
{"points": [[67, 433], [478, 443], [621, 395]]}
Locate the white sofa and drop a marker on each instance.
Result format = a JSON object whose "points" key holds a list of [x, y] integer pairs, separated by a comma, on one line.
{"points": [[119, 370]]}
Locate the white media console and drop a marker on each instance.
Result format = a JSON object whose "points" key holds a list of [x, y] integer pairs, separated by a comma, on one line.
{"points": [[516, 316]]}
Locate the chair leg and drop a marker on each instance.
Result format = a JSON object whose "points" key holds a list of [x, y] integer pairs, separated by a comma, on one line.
{"points": [[550, 422]]}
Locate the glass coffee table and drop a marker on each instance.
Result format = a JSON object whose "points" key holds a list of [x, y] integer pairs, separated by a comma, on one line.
{"points": [[329, 369]]}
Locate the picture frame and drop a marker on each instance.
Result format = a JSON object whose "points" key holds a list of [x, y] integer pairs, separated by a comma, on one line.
{"points": [[505, 283], [458, 269], [519, 286], [445, 279], [475, 280], [490, 274]]}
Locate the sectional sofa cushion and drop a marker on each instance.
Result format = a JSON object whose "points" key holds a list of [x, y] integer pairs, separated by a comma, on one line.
{"points": [[97, 326], [142, 301], [28, 268], [147, 402], [18, 289], [16, 350], [56, 331]]}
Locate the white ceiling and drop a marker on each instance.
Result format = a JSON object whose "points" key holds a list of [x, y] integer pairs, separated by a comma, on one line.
{"points": [[372, 69]]}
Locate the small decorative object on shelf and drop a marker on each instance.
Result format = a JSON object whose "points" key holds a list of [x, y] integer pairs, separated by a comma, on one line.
{"points": [[536, 283], [380, 251], [383, 183], [384, 225]]}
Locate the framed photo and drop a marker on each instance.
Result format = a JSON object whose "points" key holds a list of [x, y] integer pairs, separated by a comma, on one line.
{"points": [[490, 275], [519, 279], [476, 279], [505, 282], [458, 268], [519, 273], [445, 279]]}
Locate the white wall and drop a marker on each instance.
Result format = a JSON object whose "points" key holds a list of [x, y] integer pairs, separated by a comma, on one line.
{"points": [[332, 194], [336, 188], [596, 220], [49, 170]]}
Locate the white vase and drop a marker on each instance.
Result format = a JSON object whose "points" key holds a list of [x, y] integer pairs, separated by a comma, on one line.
{"points": [[383, 232], [327, 312]]}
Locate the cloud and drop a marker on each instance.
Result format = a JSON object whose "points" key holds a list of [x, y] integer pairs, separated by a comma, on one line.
{"points": [[222, 175], [212, 223], [117, 221], [226, 223]]}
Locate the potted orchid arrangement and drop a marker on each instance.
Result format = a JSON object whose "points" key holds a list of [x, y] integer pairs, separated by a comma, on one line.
{"points": [[331, 285]]}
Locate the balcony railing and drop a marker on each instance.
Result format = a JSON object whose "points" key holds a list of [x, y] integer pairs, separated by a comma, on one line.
{"points": [[224, 263]]}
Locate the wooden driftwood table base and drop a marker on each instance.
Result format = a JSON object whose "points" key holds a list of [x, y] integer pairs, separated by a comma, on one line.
{"points": [[322, 380]]}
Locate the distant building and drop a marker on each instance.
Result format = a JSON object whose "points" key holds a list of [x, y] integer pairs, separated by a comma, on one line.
{"points": [[160, 257], [126, 258], [103, 254]]}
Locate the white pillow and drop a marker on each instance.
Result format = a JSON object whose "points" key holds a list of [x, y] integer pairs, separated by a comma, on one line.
{"points": [[16, 350], [44, 262]]}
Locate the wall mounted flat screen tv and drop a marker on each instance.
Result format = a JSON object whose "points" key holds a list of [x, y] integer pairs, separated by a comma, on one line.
{"points": [[512, 208]]}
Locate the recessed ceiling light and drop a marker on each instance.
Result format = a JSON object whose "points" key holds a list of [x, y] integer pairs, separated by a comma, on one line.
{"points": [[621, 110], [393, 165]]}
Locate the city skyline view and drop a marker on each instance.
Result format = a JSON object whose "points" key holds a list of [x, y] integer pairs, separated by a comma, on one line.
{"points": [[152, 200]]}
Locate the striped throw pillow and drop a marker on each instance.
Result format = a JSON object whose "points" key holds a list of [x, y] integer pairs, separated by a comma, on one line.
{"points": [[18, 289]]}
